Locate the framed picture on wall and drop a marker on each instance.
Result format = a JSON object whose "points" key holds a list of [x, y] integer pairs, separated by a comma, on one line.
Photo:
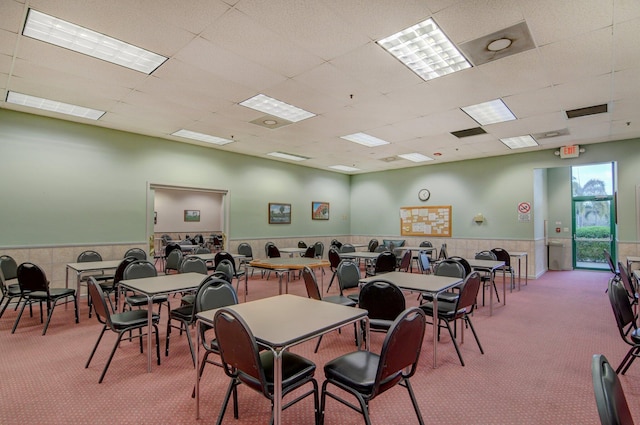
{"points": [[319, 210], [279, 213], [191, 215]]}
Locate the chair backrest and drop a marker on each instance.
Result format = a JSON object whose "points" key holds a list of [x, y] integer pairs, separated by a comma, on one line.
{"points": [[88, 257], [174, 259], [273, 252], [245, 249], [405, 262], [214, 293], [311, 284], [622, 310], [302, 244], [224, 255], [400, 350], [465, 264], [382, 299], [137, 253], [373, 244], [336, 243], [380, 248], [486, 255], [612, 266], [8, 267], [348, 274], [32, 278], [225, 266], [140, 269], [423, 261], [610, 400], [170, 248], [426, 244], [202, 250], [443, 254], [310, 252], [118, 275], [347, 247], [99, 302], [386, 262], [319, 249], [193, 265], [334, 258], [502, 255], [198, 238], [468, 293], [166, 239], [626, 280], [266, 248], [450, 268]]}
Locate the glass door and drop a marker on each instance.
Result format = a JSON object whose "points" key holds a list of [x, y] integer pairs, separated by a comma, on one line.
{"points": [[593, 209]]}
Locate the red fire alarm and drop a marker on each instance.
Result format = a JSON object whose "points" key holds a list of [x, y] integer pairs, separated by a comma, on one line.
{"points": [[557, 230]]}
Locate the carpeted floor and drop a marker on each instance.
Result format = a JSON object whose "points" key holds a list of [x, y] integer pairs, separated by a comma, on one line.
{"points": [[535, 370]]}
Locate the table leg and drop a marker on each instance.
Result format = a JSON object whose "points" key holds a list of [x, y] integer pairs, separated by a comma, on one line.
{"points": [[519, 271], [526, 269], [150, 331], [491, 290], [198, 362], [504, 285], [277, 387], [435, 329]]}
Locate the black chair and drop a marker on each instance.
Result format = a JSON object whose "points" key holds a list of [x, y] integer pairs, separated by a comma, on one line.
{"points": [[173, 261], [629, 286], [246, 250], [119, 323], [467, 267], [273, 251], [10, 291], [310, 252], [212, 293], [319, 249], [462, 309], [202, 250], [245, 364], [34, 288], [109, 288], [348, 274], [185, 315], [625, 320], [302, 244], [311, 284], [137, 253], [137, 270], [443, 255], [385, 262], [91, 256], [373, 244], [612, 267], [502, 255], [610, 400], [170, 248], [450, 268], [384, 301], [192, 265], [336, 243], [488, 277], [334, 260], [224, 255], [347, 247], [225, 267], [366, 375]]}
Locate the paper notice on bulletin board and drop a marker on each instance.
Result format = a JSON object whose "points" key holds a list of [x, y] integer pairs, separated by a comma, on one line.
{"points": [[426, 221]]}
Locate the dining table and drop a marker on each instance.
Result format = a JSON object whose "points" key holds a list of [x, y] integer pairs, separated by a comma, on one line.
{"points": [[87, 268], [279, 323], [491, 266], [429, 283], [519, 255], [154, 286], [282, 266]]}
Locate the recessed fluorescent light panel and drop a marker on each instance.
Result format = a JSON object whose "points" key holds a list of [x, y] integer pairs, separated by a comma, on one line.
{"points": [[187, 134], [277, 108], [519, 142], [365, 139], [83, 40], [491, 112], [415, 157], [53, 106], [288, 156], [344, 168], [426, 50]]}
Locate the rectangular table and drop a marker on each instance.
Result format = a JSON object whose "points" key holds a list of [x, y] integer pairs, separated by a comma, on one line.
{"points": [[428, 249], [490, 266], [88, 267], [422, 283], [280, 322], [519, 255], [292, 251], [281, 266], [160, 285]]}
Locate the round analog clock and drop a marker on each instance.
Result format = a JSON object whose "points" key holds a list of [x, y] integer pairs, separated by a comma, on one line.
{"points": [[424, 194]]}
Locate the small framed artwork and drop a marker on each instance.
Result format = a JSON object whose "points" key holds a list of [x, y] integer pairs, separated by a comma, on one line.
{"points": [[319, 210], [191, 215], [279, 213]]}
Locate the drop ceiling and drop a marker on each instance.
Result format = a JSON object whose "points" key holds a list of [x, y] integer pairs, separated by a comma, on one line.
{"points": [[322, 56]]}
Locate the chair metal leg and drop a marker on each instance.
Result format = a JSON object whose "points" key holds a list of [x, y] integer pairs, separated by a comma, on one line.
{"points": [[95, 347], [467, 320], [407, 384], [455, 343]]}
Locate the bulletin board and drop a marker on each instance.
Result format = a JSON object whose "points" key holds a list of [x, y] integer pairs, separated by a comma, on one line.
{"points": [[426, 221]]}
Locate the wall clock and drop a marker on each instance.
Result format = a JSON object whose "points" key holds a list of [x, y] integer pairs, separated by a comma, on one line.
{"points": [[424, 194]]}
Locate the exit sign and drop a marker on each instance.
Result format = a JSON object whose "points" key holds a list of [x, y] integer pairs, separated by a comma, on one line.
{"points": [[572, 151]]}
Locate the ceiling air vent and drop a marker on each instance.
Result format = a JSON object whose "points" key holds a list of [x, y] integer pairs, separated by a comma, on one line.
{"points": [[589, 110], [389, 159], [550, 134], [468, 132]]}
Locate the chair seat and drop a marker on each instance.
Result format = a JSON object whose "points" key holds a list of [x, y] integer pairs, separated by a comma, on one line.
{"points": [[445, 310], [449, 297], [354, 297], [188, 299], [183, 313], [13, 290], [54, 292], [294, 368], [140, 300], [356, 370], [379, 324], [340, 299], [131, 318]]}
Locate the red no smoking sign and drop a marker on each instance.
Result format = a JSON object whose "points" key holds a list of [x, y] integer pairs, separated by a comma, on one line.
{"points": [[524, 207]]}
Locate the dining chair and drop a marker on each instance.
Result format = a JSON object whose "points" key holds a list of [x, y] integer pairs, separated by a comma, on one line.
{"points": [[366, 375], [319, 249], [246, 250], [629, 286], [334, 260], [137, 253], [488, 278], [611, 402], [34, 288], [224, 255], [244, 364], [109, 288], [384, 301], [141, 269], [385, 262], [311, 285], [405, 262], [503, 255], [625, 321], [174, 259], [449, 268], [461, 309], [10, 291], [120, 323], [373, 244], [348, 274]]}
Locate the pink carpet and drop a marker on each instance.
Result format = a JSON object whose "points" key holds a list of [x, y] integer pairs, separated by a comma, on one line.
{"points": [[535, 370]]}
